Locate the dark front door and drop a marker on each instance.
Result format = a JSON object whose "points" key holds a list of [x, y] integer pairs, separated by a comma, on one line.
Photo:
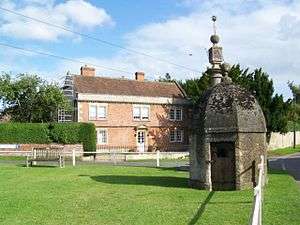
{"points": [[222, 165]]}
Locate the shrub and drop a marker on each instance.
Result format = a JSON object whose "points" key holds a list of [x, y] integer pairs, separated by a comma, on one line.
{"points": [[63, 133], [74, 133], [25, 133], [291, 126], [88, 137]]}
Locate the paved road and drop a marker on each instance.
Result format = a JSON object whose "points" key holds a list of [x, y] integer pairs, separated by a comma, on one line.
{"points": [[290, 163]]}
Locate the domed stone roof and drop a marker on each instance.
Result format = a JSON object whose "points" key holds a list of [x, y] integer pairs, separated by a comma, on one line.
{"points": [[230, 108]]}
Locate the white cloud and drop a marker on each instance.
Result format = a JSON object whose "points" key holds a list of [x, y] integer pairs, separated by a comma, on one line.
{"points": [[254, 33], [260, 37], [83, 13], [73, 13]]}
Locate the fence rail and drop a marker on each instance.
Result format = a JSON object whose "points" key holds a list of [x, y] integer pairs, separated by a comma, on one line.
{"points": [[115, 157], [256, 216]]}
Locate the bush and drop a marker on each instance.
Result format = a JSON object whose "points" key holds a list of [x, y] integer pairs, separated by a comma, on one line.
{"points": [[62, 133], [290, 126], [88, 137], [25, 133], [65, 133], [74, 133]]}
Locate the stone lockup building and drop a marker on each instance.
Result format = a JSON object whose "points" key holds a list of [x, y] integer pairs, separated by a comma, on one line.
{"points": [[229, 133]]}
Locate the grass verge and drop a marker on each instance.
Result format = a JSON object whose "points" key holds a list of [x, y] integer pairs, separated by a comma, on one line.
{"points": [[12, 158], [284, 151]]}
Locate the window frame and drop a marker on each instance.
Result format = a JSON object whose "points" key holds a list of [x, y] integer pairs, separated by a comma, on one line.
{"points": [[140, 107], [176, 140], [175, 109], [106, 133], [98, 105]]}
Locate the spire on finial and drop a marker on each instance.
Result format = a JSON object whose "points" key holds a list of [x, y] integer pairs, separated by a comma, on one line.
{"points": [[214, 19], [214, 38]]}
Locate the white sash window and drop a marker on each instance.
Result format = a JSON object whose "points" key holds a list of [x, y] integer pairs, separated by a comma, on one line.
{"points": [[97, 111], [92, 112], [101, 136], [101, 112], [141, 112], [136, 113], [176, 135], [145, 113], [175, 114]]}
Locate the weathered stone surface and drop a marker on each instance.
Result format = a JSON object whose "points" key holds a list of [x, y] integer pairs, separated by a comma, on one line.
{"points": [[228, 113]]}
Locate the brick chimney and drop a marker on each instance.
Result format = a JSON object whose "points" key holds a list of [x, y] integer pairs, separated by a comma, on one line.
{"points": [[140, 76], [87, 71]]}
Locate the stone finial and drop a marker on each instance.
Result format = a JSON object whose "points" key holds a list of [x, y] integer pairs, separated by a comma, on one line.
{"points": [[215, 55], [214, 38]]}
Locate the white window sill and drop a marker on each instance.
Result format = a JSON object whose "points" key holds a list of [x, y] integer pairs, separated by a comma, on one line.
{"points": [[98, 119], [137, 120]]}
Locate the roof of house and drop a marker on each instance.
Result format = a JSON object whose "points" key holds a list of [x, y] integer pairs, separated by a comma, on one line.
{"points": [[113, 86]]}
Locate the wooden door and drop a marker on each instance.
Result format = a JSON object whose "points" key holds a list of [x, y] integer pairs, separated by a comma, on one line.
{"points": [[222, 165]]}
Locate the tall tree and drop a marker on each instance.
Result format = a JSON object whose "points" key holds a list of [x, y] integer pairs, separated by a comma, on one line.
{"points": [[28, 98], [275, 109], [166, 78], [295, 109]]}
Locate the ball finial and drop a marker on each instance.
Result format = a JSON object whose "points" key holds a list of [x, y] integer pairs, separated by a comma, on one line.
{"points": [[214, 39]]}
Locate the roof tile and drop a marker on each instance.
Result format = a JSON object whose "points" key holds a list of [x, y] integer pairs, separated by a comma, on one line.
{"points": [[112, 86]]}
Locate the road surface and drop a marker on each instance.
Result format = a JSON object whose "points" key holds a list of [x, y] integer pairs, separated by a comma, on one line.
{"points": [[290, 164]]}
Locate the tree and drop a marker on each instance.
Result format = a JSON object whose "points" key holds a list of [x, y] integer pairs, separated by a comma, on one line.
{"points": [[275, 109], [295, 115], [166, 78], [195, 87], [28, 98]]}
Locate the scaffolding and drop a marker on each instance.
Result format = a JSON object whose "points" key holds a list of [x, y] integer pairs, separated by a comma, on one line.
{"points": [[68, 90]]}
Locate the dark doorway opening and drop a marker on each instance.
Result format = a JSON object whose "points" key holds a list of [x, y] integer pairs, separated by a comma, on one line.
{"points": [[222, 165]]}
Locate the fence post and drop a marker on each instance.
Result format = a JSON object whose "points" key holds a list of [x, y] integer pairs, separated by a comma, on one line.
{"points": [[157, 158], [34, 156], [73, 157], [114, 158]]}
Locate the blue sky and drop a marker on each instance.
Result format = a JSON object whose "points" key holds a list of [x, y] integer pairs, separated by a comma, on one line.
{"points": [[254, 33]]}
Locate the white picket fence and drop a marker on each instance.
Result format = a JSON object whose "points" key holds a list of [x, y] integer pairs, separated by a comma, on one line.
{"points": [[149, 158], [115, 156], [257, 210]]}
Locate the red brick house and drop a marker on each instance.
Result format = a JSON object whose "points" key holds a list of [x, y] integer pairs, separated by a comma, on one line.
{"points": [[137, 114]]}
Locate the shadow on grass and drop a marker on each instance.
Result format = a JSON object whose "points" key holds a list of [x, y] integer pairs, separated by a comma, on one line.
{"points": [[179, 182], [201, 209], [177, 168], [37, 166]]}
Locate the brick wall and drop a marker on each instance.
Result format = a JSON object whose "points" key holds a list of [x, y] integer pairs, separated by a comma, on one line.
{"points": [[122, 128]]}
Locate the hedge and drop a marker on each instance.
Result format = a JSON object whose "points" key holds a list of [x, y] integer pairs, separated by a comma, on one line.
{"points": [[62, 133], [73, 133], [290, 126], [24, 133]]}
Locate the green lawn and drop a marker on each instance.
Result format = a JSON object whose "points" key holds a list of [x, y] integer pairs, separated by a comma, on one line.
{"points": [[98, 194], [284, 151], [13, 158]]}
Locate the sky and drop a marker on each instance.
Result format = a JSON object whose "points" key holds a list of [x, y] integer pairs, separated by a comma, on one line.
{"points": [[253, 33]]}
